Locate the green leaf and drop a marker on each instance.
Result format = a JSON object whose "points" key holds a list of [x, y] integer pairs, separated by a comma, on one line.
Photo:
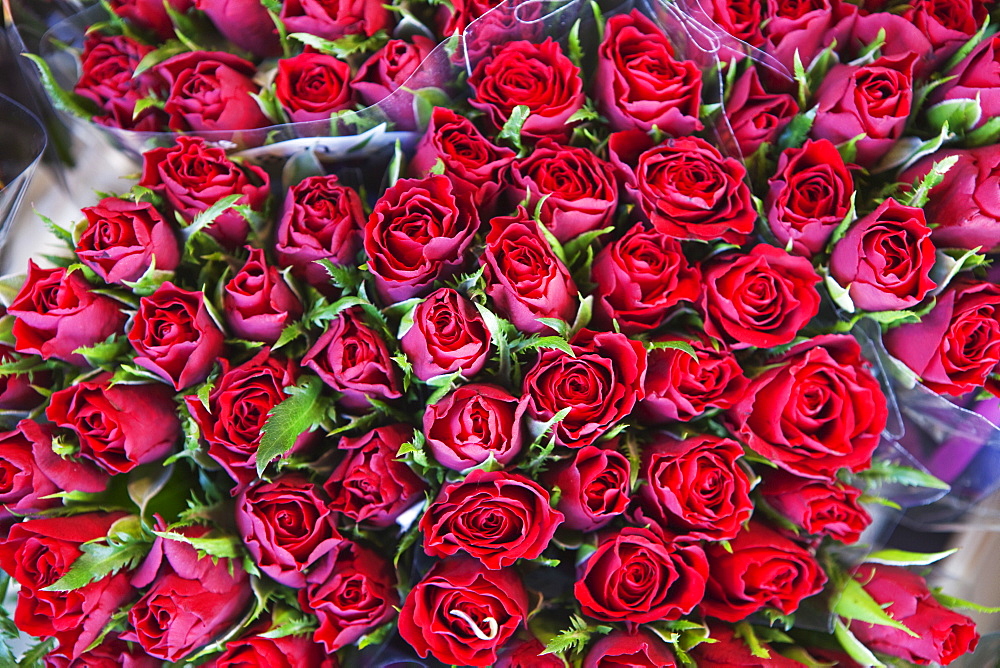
{"points": [[904, 558], [884, 471], [854, 648], [795, 133], [856, 604], [157, 56], [209, 215], [946, 266], [922, 187], [511, 130], [396, 165], [551, 342], [297, 414], [961, 604], [987, 133], [20, 366], [908, 150], [346, 278], [575, 638], [106, 352], [557, 325], [59, 232], [575, 50], [961, 114], [802, 79], [62, 99], [221, 547], [682, 346], [98, 561], [745, 631], [849, 149], [345, 46]]}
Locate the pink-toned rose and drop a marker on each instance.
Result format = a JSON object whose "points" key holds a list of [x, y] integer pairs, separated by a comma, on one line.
{"points": [[473, 423], [257, 302], [123, 239], [448, 335]]}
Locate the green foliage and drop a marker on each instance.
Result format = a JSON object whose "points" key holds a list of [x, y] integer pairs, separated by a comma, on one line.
{"points": [[575, 639], [511, 130], [62, 99], [302, 411]]}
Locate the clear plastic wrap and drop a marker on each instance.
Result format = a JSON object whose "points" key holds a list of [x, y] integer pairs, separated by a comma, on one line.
{"points": [[23, 140]]}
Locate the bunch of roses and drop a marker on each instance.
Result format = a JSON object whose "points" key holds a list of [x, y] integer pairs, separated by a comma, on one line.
{"points": [[570, 391]]}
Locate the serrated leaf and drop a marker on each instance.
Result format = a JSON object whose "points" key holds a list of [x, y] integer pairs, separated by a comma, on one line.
{"points": [[345, 46], [297, 414], [551, 342], [60, 233], [99, 561], [221, 547], [209, 215], [797, 130], [904, 475], [904, 558], [682, 346], [857, 604], [62, 99], [908, 150], [105, 352], [921, 189]]}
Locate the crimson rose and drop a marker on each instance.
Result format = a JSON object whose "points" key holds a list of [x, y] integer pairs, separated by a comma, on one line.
{"points": [[16, 389], [313, 86], [977, 78], [474, 423], [333, 20], [818, 506], [640, 649], [151, 14], [257, 651], [447, 335], [730, 651], [257, 302], [756, 116], [245, 23], [390, 68], [595, 486], [123, 239], [107, 67]]}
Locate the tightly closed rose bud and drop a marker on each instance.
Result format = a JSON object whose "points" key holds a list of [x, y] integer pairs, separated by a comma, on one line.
{"points": [[107, 78], [595, 486], [640, 649], [123, 239], [333, 20], [756, 116], [473, 423], [257, 303], [387, 70], [245, 23], [313, 86], [448, 335], [818, 506]]}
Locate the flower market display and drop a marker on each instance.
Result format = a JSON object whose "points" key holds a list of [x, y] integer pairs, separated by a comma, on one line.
{"points": [[595, 372]]}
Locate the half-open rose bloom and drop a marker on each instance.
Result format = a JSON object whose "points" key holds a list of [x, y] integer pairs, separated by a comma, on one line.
{"points": [[731, 651], [948, 24], [333, 20], [595, 485], [151, 14], [257, 302], [756, 116], [107, 67], [474, 423], [313, 86], [640, 649], [123, 239], [245, 23], [388, 69], [820, 507], [448, 335]]}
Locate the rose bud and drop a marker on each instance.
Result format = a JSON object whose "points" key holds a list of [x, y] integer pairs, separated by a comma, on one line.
{"points": [[175, 337], [635, 577], [448, 335], [370, 485], [937, 634], [257, 303], [595, 486], [684, 187], [321, 220], [123, 239], [16, 391], [496, 517], [638, 85], [389, 69], [258, 651], [730, 651], [457, 16], [313, 86], [287, 527], [474, 423], [808, 197], [107, 78], [353, 359], [818, 506], [756, 116], [462, 613], [57, 312], [524, 278], [885, 259], [245, 23], [762, 568], [193, 176], [151, 15], [118, 426], [527, 653], [333, 20], [537, 76], [640, 649], [418, 233], [813, 410], [351, 592]]}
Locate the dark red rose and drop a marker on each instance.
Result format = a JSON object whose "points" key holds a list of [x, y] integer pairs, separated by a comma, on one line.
{"points": [[640, 278], [600, 385], [739, 18], [370, 485], [390, 68], [763, 568], [111, 653], [685, 187], [333, 20], [256, 651], [730, 651], [321, 220], [885, 259], [808, 197], [813, 410], [107, 67], [313, 86], [818, 506], [756, 116], [527, 654], [257, 302], [473, 423], [151, 14], [948, 24], [462, 613], [874, 100], [16, 391], [193, 176], [595, 485], [204, 596], [577, 190], [493, 516], [537, 76], [353, 359], [57, 312], [448, 335], [805, 28], [636, 577], [639, 84], [761, 298], [118, 426], [640, 649], [524, 278], [287, 527], [245, 23], [175, 336], [352, 590], [123, 239], [418, 233], [939, 635], [695, 488], [457, 16], [955, 348]]}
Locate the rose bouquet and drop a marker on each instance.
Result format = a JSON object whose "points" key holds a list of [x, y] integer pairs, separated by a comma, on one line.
{"points": [[575, 386]]}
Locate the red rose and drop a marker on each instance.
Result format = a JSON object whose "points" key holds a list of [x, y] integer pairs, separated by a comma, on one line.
{"points": [[457, 16], [940, 635], [600, 384], [418, 233], [577, 190], [473, 423], [313, 86], [730, 651], [948, 24], [524, 278], [448, 335], [595, 485], [955, 348], [370, 485], [636, 577], [257, 302], [977, 77], [814, 410], [756, 116], [805, 28], [640, 278], [175, 336], [808, 197], [762, 568], [123, 239], [287, 527], [496, 517], [193, 176], [685, 187], [390, 68], [353, 359], [761, 298], [118, 426], [462, 613], [57, 312], [256, 651], [695, 488], [16, 389], [151, 14], [818, 506], [639, 85], [111, 653], [321, 220], [739, 18], [885, 259], [107, 78], [245, 23], [640, 649], [537, 76], [333, 20], [351, 592]]}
